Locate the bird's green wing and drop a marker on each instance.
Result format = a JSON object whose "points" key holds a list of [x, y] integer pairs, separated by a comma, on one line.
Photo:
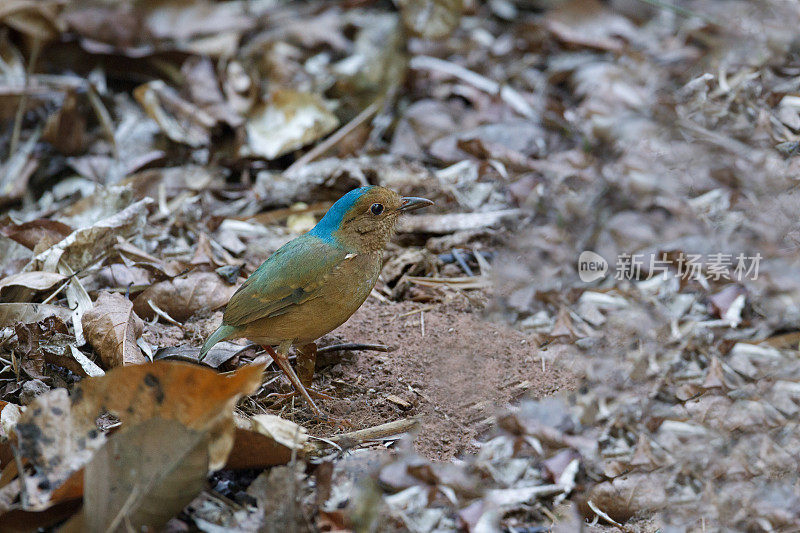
{"points": [[288, 277]]}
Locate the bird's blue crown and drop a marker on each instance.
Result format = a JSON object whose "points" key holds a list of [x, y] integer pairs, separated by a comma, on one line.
{"points": [[332, 220]]}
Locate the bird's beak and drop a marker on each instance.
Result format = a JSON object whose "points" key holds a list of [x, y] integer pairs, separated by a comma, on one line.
{"points": [[411, 203]]}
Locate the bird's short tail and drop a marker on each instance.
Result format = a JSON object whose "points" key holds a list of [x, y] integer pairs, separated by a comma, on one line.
{"points": [[222, 333]]}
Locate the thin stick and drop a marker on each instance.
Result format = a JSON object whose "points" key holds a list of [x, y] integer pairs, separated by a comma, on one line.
{"points": [[23, 100], [354, 438], [356, 346], [331, 141], [420, 310], [378, 296]]}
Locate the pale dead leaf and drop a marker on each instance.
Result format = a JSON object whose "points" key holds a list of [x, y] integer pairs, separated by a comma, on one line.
{"points": [[86, 245], [453, 222], [25, 313], [56, 442], [289, 121], [35, 281], [265, 440], [179, 119], [628, 495], [589, 23]]}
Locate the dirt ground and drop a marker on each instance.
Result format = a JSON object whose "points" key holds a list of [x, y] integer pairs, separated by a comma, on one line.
{"points": [[450, 367]]}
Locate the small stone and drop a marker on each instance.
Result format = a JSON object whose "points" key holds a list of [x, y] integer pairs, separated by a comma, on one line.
{"points": [[398, 401]]}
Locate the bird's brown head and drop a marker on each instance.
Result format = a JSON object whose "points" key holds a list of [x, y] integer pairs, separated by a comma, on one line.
{"points": [[364, 219]]}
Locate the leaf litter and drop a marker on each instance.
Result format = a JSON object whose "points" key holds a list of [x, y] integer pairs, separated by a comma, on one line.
{"points": [[153, 154]]}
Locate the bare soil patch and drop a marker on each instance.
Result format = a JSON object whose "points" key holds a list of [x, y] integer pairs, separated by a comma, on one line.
{"points": [[453, 373]]}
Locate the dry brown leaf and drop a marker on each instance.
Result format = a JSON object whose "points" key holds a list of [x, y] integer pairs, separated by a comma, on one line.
{"points": [[58, 434], [38, 281], [628, 495], [265, 440], [112, 328], [182, 297], [143, 477], [431, 19], [40, 232]]}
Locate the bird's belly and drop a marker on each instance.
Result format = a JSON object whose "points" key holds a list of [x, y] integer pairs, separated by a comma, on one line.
{"points": [[341, 295]]}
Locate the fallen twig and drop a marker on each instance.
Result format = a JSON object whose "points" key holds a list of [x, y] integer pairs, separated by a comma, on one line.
{"points": [[354, 438], [466, 282], [356, 346]]}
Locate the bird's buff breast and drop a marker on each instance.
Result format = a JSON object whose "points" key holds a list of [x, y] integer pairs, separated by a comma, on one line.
{"points": [[343, 292]]}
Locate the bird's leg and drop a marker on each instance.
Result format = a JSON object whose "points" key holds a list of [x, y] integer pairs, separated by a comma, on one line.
{"points": [[281, 359], [305, 364]]}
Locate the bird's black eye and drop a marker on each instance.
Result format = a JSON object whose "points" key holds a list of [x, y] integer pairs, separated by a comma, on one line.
{"points": [[376, 209]]}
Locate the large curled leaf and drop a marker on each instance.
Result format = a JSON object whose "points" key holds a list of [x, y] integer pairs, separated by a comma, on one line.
{"points": [[112, 328], [182, 297], [58, 435]]}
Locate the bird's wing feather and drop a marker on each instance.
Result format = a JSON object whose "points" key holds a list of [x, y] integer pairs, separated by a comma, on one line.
{"points": [[288, 277]]}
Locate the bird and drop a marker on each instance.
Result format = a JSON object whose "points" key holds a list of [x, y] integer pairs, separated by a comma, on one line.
{"points": [[312, 284]]}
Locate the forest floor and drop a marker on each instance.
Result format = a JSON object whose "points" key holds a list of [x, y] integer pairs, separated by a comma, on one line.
{"points": [[596, 326]]}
